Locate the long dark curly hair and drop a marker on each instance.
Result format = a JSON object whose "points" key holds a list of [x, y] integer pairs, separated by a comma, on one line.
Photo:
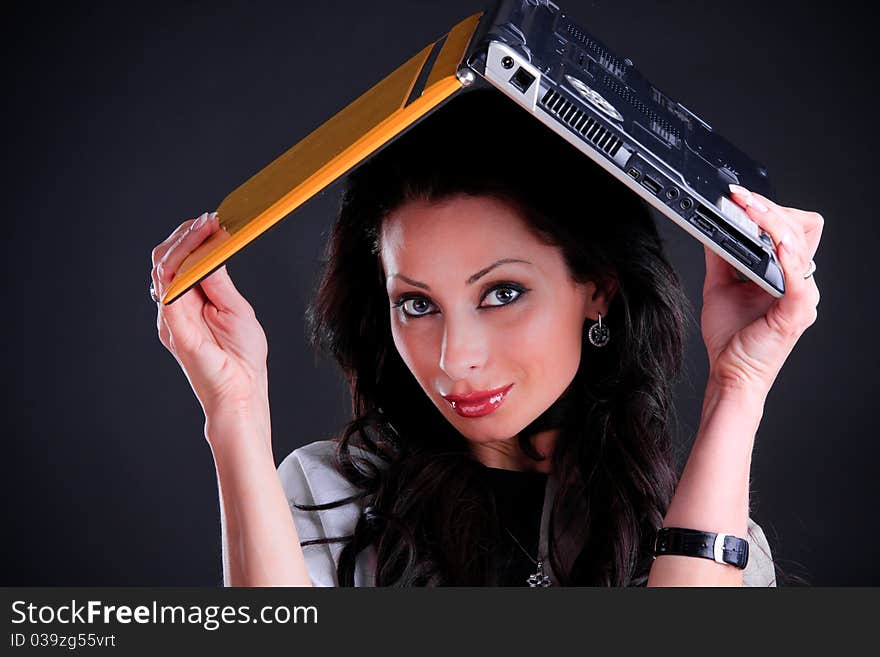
{"points": [[427, 510]]}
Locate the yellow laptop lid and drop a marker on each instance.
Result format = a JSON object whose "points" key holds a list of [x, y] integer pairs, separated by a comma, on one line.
{"points": [[364, 126]]}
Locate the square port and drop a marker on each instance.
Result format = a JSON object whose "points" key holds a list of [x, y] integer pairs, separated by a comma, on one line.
{"points": [[634, 173], [522, 79]]}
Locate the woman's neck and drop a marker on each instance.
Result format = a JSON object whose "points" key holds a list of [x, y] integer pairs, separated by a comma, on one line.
{"points": [[507, 454]]}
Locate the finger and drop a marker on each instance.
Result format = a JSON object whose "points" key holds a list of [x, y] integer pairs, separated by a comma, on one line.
{"points": [[812, 223], [184, 316], [221, 291], [181, 315], [162, 330], [756, 203], [810, 220], [769, 218], [200, 229], [162, 248], [814, 232], [181, 324], [796, 309], [185, 312]]}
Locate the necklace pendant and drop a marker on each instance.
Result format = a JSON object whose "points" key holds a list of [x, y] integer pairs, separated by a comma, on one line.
{"points": [[539, 578]]}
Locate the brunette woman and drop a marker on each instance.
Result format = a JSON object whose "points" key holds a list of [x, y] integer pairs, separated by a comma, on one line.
{"points": [[511, 331]]}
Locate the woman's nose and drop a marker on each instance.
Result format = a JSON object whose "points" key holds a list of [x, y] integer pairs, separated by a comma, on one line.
{"points": [[465, 347]]}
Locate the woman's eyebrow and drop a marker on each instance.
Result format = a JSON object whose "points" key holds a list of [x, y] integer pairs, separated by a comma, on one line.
{"points": [[470, 280]]}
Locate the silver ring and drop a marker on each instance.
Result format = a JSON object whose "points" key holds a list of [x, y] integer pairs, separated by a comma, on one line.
{"points": [[812, 269], [153, 293]]}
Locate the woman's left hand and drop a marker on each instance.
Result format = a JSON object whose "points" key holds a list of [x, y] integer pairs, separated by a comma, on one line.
{"points": [[749, 333]]}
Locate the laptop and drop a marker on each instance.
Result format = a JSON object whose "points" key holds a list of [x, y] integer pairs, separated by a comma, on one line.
{"points": [[570, 81], [540, 58]]}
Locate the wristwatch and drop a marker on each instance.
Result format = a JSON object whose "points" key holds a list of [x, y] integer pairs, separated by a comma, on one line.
{"points": [[722, 548]]}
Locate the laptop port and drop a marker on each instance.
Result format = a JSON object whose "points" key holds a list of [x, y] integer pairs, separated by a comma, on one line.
{"points": [[703, 222], [652, 184], [686, 204], [743, 254], [522, 79], [634, 173], [672, 193]]}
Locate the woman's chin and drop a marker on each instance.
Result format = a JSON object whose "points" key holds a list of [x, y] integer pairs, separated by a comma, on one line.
{"points": [[487, 429]]}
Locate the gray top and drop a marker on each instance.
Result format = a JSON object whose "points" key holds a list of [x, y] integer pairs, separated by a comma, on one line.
{"points": [[309, 477]]}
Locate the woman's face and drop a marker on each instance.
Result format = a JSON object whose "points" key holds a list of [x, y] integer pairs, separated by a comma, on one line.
{"points": [[462, 322]]}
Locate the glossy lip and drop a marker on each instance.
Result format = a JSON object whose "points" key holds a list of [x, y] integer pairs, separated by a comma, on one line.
{"points": [[479, 403]]}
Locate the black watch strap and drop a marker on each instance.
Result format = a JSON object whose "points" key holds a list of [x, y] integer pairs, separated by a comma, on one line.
{"points": [[723, 548]]}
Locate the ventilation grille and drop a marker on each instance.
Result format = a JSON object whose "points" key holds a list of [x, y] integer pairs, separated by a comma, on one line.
{"points": [[665, 102], [609, 61], [569, 114], [661, 99], [661, 127]]}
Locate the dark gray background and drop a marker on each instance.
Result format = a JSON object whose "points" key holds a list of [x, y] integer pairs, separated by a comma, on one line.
{"points": [[123, 121]]}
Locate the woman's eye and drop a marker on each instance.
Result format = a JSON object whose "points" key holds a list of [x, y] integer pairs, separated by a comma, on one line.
{"points": [[503, 293], [414, 307]]}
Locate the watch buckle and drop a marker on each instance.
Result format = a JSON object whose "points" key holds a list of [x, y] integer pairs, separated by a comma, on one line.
{"points": [[718, 548]]}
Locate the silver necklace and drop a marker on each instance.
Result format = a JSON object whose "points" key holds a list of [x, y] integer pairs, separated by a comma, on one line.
{"points": [[539, 578]]}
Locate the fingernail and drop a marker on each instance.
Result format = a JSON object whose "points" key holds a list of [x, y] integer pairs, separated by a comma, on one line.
{"points": [[744, 193], [160, 271], [201, 221], [211, 216]]}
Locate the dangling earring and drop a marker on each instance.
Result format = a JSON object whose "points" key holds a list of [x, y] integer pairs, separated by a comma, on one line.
{"points": [[599, 335]]}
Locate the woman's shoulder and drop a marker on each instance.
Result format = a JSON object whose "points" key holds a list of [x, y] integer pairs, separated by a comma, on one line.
{"points": [[313, 466], [759, 570], [309, 477], [320, 451]]}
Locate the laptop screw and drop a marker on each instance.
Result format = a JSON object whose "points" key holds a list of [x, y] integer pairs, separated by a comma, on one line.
{"points": [[465, 76], [507, 62]]}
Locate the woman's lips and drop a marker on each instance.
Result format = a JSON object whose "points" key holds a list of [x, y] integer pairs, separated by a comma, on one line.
{"points": [[477, 407]]}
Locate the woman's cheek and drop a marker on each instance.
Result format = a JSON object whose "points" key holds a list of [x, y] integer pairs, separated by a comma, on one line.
{"points": [[398, 335], [413, 345], [530, 324]]}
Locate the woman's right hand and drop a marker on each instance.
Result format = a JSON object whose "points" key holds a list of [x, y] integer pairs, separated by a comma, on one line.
{"points": [[212, 332]]}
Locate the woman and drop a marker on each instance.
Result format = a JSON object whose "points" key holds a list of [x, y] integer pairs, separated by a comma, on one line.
{"points": [[479, 254]]}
